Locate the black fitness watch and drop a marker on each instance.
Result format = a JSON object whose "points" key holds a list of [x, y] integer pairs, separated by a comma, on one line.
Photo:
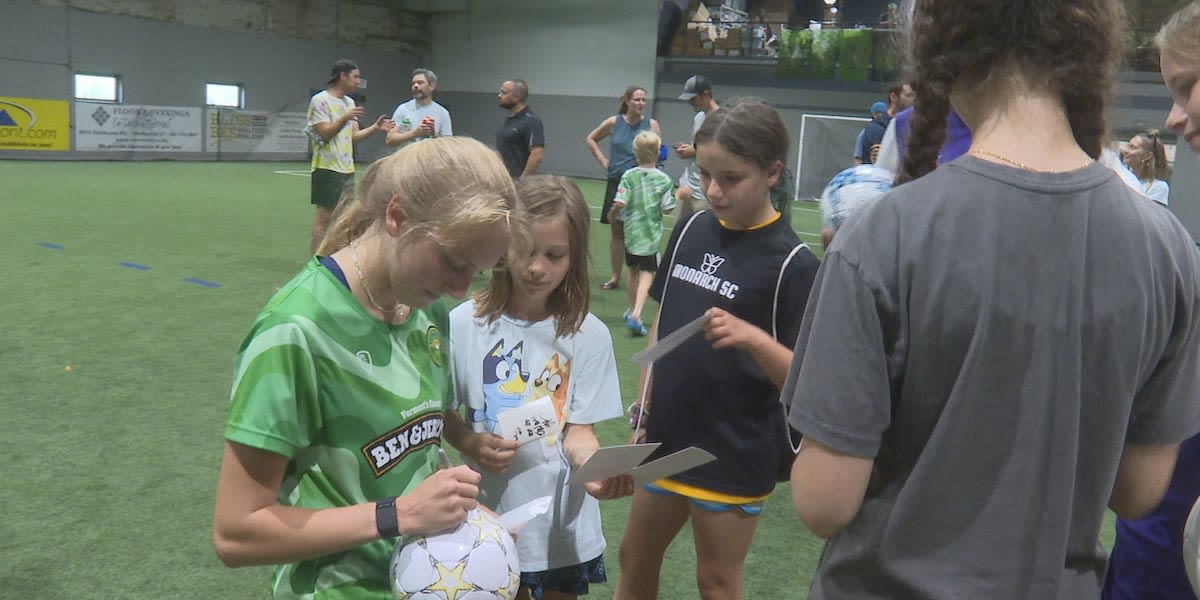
{"points": [[385, 518]]}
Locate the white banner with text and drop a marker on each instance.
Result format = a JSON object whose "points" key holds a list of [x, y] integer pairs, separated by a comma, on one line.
{"points": [[137, 128], [228, 130]]}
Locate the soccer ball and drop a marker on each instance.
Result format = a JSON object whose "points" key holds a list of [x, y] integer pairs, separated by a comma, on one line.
{"points": [[1191, 547], [850, 190], [474, 561]]}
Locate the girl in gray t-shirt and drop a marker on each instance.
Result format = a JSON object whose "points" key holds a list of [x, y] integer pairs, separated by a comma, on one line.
{"points": [[998, 349]]}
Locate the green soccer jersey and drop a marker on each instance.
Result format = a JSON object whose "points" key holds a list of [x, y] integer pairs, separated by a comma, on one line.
{"points": [[355, 405], [646, 193]]}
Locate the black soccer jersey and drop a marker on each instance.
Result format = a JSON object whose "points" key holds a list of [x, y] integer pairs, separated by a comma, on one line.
{"points": [[720, 400]]}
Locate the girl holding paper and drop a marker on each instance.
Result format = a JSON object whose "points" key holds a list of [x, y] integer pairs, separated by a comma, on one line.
{"points": [[526, 345], [744, 270]]}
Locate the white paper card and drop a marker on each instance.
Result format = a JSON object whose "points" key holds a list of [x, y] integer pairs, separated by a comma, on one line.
{"points": [[528, 422], [514, 520], [670, 342], [671, 464], [612, 461]]}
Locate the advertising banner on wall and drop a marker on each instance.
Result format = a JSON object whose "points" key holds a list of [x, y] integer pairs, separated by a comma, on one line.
{"points": [[34, 124], [228, 130], [137, 128]]}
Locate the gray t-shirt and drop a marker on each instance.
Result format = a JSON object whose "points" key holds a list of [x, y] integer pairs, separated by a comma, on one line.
{"points": [[691, 173], [992, 338], [408, 116]]}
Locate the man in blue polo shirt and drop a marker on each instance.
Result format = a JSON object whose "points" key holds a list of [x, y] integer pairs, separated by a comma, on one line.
{"points": [[520, 141]]}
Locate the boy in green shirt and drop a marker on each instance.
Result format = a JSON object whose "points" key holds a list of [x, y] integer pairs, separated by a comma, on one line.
{"points": [[643, 196]]}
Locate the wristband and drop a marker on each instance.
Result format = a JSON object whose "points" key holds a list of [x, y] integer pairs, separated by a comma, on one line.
{"points": [[385, 518], [637, 415]]}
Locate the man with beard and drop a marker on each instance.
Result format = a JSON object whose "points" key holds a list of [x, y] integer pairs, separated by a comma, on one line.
{"points": [[520, 141], [420, 117]]}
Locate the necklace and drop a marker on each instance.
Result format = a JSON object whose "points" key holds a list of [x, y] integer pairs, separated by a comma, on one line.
{"points": [[1019, 165], [1010, 161], [399, 313]]}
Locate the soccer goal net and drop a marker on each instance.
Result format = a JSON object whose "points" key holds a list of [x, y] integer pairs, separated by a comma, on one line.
{"points": [[825, 147]]}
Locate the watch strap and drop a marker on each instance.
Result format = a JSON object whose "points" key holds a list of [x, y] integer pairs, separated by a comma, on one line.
{"points": [[385, 518]]}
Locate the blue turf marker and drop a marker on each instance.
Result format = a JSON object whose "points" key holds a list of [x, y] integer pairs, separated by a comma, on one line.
{"points": [[133, 265], [201, 282], [51, 245]]}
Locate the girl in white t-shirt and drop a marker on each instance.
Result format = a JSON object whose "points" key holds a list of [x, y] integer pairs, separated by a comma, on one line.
{"points": [[527, 341]]}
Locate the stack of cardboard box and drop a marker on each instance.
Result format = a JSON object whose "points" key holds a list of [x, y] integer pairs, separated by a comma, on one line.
{"points": [[699, 34], [728, 42], [720, 33]]}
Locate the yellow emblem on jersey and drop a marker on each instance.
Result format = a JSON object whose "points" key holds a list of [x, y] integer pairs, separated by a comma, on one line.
{"points": [[433, 339]]}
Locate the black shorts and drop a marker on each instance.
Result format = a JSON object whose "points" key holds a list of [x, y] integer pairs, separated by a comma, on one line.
{"points": [[567, 580], [648, 264], [328, 186], [610, 192]]}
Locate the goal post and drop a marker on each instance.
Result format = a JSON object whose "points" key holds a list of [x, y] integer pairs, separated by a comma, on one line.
{"points": [[825, 147]]}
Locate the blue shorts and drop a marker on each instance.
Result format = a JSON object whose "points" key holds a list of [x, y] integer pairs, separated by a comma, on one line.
{"points": [[751, 508], [567, 580]]}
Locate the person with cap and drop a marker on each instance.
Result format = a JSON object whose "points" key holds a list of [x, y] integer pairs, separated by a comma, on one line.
{"points": [[890, 18], [689, 196], [333, 129], [867, 142], [867, 146], [521, 141], [420, 117]]}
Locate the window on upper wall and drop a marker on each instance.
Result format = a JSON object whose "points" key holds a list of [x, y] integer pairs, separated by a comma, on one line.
{"points": [[103, 88], [225, 95]]}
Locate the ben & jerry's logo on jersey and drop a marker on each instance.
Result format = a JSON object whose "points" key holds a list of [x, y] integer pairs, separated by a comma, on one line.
{"points": [[706, 276], [387, 450]]}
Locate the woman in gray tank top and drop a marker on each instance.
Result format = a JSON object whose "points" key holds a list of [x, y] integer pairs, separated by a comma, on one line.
{"points": [[620, 128]]}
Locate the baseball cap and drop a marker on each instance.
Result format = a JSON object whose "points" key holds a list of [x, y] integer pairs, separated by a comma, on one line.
{"points": [[344, 65], [694, 86], [879, 107]]}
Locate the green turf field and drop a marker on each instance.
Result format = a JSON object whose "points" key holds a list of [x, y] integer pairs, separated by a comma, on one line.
{"points": [[128, 287]]}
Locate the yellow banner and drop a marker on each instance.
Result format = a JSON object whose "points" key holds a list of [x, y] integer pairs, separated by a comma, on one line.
{"points": [[34, 124]]}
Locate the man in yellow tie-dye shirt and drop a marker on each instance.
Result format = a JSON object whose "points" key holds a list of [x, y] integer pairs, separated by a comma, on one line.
{"points": [[333, 129]]}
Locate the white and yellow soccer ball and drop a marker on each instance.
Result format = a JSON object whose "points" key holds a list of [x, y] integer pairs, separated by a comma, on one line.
{"points": [[475, 561], [1191, 547]]}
